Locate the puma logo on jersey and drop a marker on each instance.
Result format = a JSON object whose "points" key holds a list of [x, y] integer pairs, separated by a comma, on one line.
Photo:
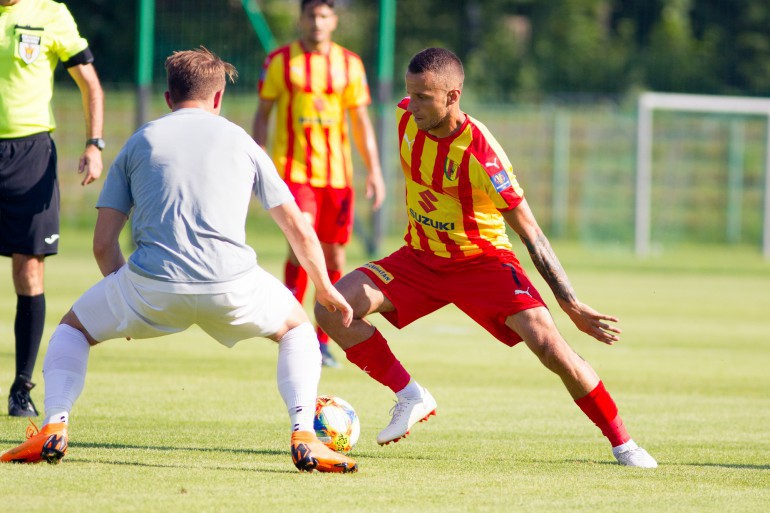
{"points": [[53, 238], [408, 141], [492, 163]]}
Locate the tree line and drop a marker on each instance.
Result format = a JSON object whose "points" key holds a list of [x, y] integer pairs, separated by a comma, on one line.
{"points": [[512, 49]]}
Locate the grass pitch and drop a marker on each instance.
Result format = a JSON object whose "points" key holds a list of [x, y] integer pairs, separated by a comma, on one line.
{"points": [[183, 424]]}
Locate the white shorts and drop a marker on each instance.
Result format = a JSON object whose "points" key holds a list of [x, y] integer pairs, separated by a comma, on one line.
{"points": [[125, 304]]}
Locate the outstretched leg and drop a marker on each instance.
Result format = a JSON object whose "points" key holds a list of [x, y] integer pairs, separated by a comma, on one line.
{"points": [[539, 332]]}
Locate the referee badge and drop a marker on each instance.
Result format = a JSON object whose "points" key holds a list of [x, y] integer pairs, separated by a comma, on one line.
{"points": [[29, 47]]}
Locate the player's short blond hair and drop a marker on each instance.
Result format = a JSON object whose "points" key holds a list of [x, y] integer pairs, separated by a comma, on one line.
{"points": [[197, 74]]}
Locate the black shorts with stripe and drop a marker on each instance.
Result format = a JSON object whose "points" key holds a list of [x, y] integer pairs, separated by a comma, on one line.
{"points": [[29, 196]]}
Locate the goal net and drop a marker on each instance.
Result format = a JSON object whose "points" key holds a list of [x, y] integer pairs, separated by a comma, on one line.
{"points": [[702, 164]]}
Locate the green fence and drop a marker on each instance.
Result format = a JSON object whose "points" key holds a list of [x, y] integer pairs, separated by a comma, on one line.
{"points": [[576, 164]]}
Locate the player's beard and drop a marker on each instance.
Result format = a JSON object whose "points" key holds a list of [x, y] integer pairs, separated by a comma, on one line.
{"points": [[434, 122]]}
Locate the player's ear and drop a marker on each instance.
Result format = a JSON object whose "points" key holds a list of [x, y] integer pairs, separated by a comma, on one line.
{"points": [[167, 95], [452, 97], [218, 99]]}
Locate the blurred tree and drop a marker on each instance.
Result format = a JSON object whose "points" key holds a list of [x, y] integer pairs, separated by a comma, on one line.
{"points": [[512, 49], [110, 28]]}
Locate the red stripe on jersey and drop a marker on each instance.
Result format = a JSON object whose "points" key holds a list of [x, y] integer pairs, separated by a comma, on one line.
{"points": [[308, 153], [328, 156], [308, 73], [437, 180], [402, 125], [451, 246], [417, 146], [329, 86], [466, 200], [422, 238], [344, 142], [286, 51]]}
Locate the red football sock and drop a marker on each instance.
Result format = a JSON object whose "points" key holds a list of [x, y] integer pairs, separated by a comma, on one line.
{"points": [[295, 278], [323, 338], [601, 409], [334, 277], [374, 357]]}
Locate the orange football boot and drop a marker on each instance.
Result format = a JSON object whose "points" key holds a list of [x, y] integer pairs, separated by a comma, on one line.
{"points": [[47, 444], [308, 454]]}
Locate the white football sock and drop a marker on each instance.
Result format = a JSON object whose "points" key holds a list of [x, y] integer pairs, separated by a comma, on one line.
{"points": [[64, 371], [299, 370], [412, 390]]}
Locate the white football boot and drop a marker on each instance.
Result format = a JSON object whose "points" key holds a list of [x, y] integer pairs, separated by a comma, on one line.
{"points": [[406, 413], [631, 455]]}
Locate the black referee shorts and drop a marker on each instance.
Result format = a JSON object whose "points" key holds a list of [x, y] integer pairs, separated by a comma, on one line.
{"points": [[29, 196]]}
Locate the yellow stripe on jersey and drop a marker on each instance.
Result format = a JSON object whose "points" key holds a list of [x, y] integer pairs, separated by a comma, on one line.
{"points": [[455, 189], [34, 36], [312, 92]]}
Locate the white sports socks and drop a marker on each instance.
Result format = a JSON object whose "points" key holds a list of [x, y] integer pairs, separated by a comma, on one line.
{"points": [[412, 390], [299, 370], [64, 371]]}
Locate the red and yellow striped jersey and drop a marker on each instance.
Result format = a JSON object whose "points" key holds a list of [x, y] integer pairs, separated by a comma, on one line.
{"points": [[312, 92], [456, 187]]}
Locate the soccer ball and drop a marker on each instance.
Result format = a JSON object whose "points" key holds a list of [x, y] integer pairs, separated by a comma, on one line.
{"points": [[336, 423]]}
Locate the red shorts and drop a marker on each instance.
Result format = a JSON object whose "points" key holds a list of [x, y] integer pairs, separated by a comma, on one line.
{"points": [[488, 288], [332, 210]]}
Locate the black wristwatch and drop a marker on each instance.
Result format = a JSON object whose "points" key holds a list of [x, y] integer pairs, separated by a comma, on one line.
{"points": [[99, 143]]}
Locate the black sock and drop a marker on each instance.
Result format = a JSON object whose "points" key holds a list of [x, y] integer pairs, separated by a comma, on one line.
{"points": [[28, 328]]}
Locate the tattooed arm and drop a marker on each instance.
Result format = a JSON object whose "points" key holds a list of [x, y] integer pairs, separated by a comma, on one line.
{"points": [[588, 320]]}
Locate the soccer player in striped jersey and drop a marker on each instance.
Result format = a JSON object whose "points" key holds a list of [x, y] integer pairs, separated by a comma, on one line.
{"points": [[315, 85], [460, 193]]}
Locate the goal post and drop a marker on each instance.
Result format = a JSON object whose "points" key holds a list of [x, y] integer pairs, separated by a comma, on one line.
{"points": [[650, 102]]}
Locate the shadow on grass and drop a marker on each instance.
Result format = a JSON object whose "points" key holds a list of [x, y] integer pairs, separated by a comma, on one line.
{"points": [[181, 465], [737, 466], [91, 445]]}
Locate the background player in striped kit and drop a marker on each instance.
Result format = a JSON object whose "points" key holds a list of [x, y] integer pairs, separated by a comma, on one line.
{"points": [[315, 85]]}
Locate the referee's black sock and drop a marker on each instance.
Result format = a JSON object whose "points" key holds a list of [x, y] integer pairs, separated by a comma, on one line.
{"points": [[28, 328]]}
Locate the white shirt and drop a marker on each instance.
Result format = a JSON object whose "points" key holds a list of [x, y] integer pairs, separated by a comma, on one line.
{"points": [[189, 177]]}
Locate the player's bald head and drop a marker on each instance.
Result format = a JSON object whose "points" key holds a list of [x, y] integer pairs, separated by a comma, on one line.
{"points": [[445, 66]]}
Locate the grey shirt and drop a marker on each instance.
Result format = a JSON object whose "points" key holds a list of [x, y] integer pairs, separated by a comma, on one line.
{"points": [[189, 177]]}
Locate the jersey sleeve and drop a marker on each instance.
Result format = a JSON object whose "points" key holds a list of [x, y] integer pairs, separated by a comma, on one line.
{"points": [[269, 188], [67, 40], [357, 91], [116, 192], [495, 177], [271, 81]]}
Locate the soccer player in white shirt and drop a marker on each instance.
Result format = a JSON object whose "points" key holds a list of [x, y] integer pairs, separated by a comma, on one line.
{"points": [[188, 178]]}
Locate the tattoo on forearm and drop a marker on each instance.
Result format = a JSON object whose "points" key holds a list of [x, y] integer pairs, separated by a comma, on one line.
{"points": [[549, 267]]}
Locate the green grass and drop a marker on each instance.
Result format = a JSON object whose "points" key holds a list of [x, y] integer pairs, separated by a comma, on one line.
{"points": [[183, 424]]}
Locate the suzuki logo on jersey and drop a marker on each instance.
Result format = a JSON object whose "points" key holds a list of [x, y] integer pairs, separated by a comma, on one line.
{"points": [[442, 226], [500, 181], [427, 201]]}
